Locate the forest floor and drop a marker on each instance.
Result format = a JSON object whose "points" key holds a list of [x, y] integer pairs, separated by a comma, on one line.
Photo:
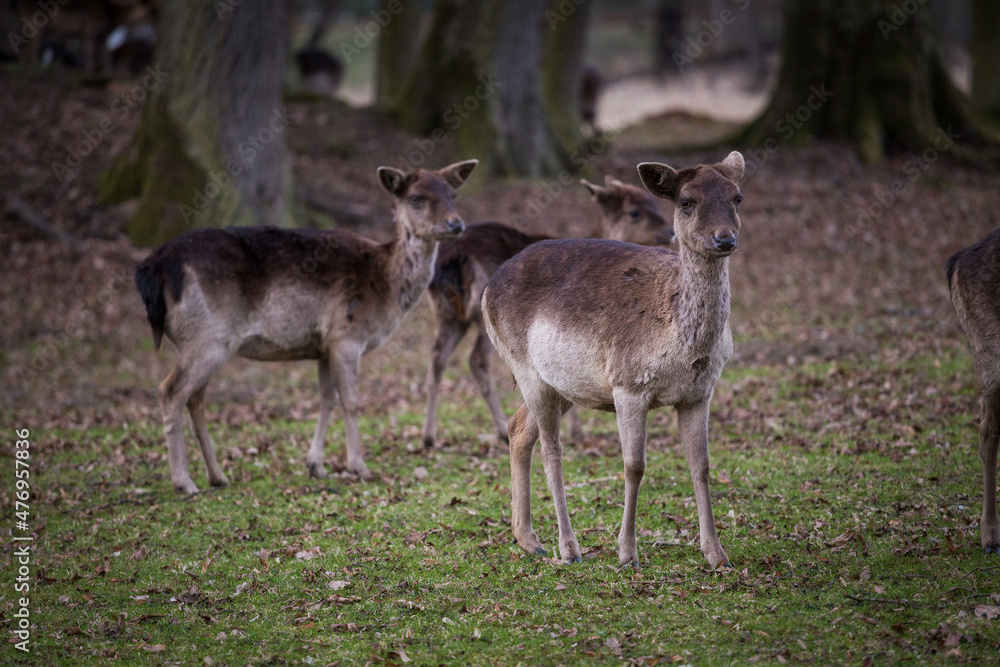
{"points": [[846, 482]]}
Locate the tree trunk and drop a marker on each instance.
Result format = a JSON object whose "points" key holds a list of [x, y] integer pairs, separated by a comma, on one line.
{"points": [[985, 56], [398, 44], [476, 75], [868, 72], [209, 146], [564, 41]]}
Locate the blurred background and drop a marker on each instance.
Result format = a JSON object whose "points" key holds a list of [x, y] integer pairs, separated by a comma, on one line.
{"points": [[869, 128]]}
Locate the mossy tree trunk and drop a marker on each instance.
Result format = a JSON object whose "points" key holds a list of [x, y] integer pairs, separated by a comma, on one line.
{"points": [[209, 146], [985, 53], [563, 43], [868, 72], [476, 76], [398, 43]]}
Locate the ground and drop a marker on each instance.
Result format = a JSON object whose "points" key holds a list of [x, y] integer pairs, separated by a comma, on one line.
{"points": [[845, 478]]}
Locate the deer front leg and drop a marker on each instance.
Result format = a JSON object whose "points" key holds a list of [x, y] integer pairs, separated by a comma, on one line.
{"points": [[631, 414], [327, 397], [523, 434], [548, 416], [449, 333], [345, 375], [692, 422], [479, 363], [989, 442]]}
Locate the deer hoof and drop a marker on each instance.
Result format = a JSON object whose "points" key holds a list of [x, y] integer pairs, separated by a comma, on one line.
{"points": [[221, 480], [428, 442], [363, 472], [186, 487], [574, 561], [317, 470], [992, 549]]}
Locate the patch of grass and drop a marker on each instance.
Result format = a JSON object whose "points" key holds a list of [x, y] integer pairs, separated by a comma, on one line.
{"points": [[847, 497]]}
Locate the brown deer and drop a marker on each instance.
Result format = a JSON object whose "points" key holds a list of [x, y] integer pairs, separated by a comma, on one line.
{"points": [[621, 328], [280, 295], [974, 281], [465, 264]]}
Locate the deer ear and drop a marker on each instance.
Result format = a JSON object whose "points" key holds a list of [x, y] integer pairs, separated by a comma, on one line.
{"points": [[659, 179], [596, 191], [732, 167], [613, 182], [456, 174], [392, 180]]}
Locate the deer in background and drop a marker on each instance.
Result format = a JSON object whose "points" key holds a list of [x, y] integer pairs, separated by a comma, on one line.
{"points": [[465, 264], [280, 295], [974, 281], [621, 328]]}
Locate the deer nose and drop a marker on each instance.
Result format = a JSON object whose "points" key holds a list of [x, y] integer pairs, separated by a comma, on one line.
{"points": [[725, 243], [456, 226]]}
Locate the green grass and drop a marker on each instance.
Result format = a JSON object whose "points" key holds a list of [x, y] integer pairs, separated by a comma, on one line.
{"points": [[847, 497]]}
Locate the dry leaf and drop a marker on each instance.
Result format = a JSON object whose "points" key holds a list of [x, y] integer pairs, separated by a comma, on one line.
{"points": [[154, 649], [984, 611], [337, 585]]}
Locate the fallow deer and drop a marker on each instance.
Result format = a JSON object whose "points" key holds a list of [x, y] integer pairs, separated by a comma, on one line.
{"points": [[622, 328], [465, 264], [974, 281], [279, 295]]}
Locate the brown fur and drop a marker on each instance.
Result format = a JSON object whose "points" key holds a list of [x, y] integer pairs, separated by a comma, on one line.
{"points": [[974, 280], [623, 328], [278, 295], [465, 264]]}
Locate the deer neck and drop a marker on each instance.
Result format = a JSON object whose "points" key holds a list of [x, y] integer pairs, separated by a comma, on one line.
{"points": [[703, 301], [411, 267]]}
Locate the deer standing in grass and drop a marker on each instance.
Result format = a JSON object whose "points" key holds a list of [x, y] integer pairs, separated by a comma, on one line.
{"points": [[465, 264], [974, 281], [622, 328], [280, 295]]}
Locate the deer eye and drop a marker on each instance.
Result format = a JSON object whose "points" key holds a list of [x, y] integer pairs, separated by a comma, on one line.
{"points": [[686, 204], [738, 200], [416, 200], [634, 214]]}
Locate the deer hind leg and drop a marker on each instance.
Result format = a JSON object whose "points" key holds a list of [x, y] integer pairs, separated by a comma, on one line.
{"points": [[345, 378], [189, 377], [327, 398], [692, 421], [989, 442], [631, 414], [548, 410], [523, 433], [449, 333], [196, 407], [479, 362]]}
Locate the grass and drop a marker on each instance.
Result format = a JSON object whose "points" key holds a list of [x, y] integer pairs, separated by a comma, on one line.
{"points": [[848, 508]]}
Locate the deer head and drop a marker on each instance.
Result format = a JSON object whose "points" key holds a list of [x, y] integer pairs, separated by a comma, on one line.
{"points": [[425, 200], [706, 199], [629, 213]]}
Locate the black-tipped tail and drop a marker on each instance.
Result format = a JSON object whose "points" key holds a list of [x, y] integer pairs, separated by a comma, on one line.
{"points": [[149, 280]]}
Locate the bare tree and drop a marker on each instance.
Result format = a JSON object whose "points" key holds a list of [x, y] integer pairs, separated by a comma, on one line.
{"points": [[209, 147], [869, 72]]}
